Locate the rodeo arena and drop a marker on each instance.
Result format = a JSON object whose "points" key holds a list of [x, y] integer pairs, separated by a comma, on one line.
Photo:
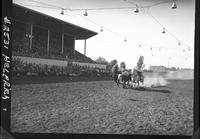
{"points": [[56, 89]]}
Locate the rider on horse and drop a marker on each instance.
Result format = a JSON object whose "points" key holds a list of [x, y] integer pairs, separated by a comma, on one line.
{"points": [[115, 70], [137, 76], [120, 74], [125, 75]]}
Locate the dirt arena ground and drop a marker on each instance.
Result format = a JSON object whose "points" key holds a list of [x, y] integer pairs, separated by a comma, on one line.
{"points": [[101, 107]]}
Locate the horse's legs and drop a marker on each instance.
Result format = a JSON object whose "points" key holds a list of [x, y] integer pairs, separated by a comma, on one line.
{"points": [[138, 84], [123, 84], [142, 83], [118, 82], [134, 84]]}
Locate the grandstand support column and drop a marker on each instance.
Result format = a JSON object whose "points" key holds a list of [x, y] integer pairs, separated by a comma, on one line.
{"points": [[31, 36], [63, 36], [74, 44], [48, 38], [85, 47]]}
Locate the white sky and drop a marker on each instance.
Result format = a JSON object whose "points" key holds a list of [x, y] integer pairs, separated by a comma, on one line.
{"points": [[136, 27]]}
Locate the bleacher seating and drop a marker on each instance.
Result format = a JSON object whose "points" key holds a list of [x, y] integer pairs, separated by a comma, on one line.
{"points": [[21, 39], [21, 47]]}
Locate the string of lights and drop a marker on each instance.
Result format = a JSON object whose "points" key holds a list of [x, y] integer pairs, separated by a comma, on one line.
{"points": [[166, 30], [81, 9], [136, 10], [148, 6], [103, 27], [107, 8], [151, 47], [174, 6], [86, 14]]}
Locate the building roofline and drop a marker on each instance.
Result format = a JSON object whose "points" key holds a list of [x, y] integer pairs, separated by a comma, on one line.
{"points": [[51, 17]]}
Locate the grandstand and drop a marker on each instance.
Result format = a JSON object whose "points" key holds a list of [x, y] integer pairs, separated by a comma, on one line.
{"points": [[44, 45], [41, 36]]}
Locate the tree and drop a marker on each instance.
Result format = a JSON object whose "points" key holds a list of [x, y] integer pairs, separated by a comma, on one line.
{"points": [[101, 60], [111, 64], [140, 64]]}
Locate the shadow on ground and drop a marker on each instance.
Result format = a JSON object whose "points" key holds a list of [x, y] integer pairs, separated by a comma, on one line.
{"points": [[152, 90], [134, 99]]}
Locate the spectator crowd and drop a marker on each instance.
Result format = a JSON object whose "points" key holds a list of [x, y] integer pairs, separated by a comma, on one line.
{"points": [[22, 69]]}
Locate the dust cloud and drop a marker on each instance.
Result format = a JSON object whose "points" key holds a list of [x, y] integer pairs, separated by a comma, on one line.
{"points": [[154, 80], [163, 79]]}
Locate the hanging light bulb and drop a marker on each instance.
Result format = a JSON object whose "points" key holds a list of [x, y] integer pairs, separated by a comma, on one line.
{"points": [[136, 9], [62, 12], [125, 40], [163, 30], [179, 43], [101, 29], [174, 6], [85, 14]]}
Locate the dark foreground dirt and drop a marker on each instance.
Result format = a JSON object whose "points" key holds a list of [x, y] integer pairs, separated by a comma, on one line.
{"points": [[103, 108], [55, 79]]}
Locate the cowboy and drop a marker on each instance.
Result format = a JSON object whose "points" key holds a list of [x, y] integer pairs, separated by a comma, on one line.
{"points": [[115, 72]]}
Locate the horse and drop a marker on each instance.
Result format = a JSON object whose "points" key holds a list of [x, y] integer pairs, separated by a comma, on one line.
{"points": [[137, 77], [115, 74], [120, 76], [125, 78]]}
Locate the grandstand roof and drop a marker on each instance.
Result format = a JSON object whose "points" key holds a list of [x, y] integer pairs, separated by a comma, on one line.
{"points": [[26, 15]]}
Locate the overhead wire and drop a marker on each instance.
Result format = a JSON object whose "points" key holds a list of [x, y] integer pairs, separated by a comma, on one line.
{"points": [[155, 19], [45, 4], [112, 8], [116, 33], [156, 4], [103, 8], [39, 6]]}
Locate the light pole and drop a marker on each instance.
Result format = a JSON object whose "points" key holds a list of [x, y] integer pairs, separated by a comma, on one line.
{"points": [[169, 61]]}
